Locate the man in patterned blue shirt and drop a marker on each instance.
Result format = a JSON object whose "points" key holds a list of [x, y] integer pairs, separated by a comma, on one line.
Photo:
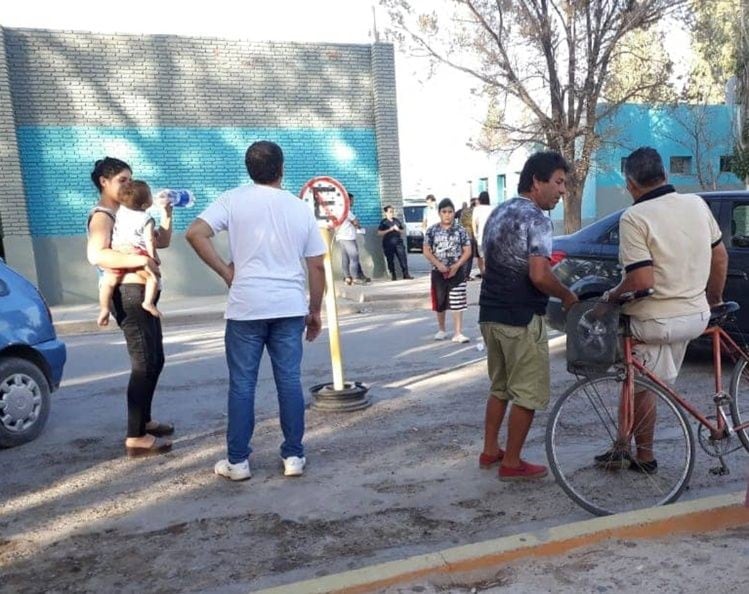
{"points": [[515, 290]]}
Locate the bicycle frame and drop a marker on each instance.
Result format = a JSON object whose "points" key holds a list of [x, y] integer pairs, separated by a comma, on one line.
{"points": [[721, 342]]}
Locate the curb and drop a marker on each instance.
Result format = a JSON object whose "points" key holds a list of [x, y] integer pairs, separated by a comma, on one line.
{"points": [[480, 559]]}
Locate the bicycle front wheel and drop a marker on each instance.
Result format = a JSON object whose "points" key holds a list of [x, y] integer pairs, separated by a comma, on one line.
{"points": [[584, 424], [740, 399]]}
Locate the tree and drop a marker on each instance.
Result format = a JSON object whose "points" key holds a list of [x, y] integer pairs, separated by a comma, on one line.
{"points": [[545, 65]]}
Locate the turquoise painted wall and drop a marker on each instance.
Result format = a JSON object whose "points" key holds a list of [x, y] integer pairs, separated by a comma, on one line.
{"points": [[56, 163], [666, 130]]}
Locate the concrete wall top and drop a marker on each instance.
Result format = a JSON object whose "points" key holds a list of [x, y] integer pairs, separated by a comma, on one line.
{"points": [[72, 78]]}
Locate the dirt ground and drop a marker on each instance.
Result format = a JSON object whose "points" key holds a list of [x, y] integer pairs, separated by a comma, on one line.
{"points": [[398, 479], [678, 565]]}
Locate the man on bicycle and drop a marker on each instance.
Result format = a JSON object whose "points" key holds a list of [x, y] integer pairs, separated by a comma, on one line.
{"points": [[669, 242], [515, 287]]}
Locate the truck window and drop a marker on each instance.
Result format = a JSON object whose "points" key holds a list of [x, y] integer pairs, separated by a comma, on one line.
{"points": [[413, 214]]}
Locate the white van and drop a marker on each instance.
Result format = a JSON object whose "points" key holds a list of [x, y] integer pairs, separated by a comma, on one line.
{"points": [[413, 215]]}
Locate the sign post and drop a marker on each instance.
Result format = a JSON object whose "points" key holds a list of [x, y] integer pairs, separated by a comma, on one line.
{"points": [[329, 201]]}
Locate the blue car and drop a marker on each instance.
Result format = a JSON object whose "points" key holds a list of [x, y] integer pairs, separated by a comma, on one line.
{"points": [[31, 359]]}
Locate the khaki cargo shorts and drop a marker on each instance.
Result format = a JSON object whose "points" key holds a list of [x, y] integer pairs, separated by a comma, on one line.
{"points": [[667, 340], [518, 362]]}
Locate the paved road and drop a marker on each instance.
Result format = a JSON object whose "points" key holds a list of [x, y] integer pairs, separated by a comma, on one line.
{"points": [[397, 479]]}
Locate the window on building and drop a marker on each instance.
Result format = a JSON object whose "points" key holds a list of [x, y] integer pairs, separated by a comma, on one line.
{"points": [[681, 165], [726, 163], [501, 188], [483, 184], [740, 226]]}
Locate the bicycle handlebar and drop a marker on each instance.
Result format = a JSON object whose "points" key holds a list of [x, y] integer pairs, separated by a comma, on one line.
{"points": [[633, 295]]}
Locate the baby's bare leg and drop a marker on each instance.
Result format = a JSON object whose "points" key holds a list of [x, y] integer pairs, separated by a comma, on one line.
{"points": [[106, 290], [152, 288]]}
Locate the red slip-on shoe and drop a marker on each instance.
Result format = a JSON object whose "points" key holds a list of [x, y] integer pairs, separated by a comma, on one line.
{"points": [[489, 461], [526, 470]]}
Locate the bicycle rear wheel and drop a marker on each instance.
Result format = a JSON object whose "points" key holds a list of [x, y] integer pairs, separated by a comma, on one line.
{"points": [[739, 391], [583, 424]]}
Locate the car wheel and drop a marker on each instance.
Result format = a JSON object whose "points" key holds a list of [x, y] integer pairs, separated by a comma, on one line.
{"points": [[24, 401]]}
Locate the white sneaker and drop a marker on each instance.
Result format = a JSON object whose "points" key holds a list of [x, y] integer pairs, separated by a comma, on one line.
{"points": [[460, 338], [293, 465], [441, 335], [234, 472]]}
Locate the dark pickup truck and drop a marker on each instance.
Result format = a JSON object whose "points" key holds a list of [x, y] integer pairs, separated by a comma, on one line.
{"points": [[588, 261]]}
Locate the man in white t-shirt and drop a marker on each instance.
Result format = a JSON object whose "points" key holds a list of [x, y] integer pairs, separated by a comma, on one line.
{"points": [[271, 233], [481, 214], [345, 235], [431, 214]]}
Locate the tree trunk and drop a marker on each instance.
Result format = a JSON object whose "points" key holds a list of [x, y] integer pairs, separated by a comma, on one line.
{"points": [[573, 204]]}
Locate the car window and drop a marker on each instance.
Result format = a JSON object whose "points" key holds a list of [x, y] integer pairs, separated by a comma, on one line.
{"points": [[413, 214], [740, 226]]}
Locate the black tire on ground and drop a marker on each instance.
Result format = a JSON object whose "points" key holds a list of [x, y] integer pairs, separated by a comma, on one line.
{"points": [[739, 390], [583, 424], [23, 386]]}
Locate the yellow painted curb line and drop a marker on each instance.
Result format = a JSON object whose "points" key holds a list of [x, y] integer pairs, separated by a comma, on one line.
{"points": [[701, 515]]}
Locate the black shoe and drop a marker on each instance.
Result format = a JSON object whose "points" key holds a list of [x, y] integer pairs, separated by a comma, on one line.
{"points": [[644, 467], [407, 277], [392, 277], [614, 458], [363, 280]]}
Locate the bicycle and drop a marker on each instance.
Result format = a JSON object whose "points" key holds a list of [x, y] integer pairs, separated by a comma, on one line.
{"points": [[597, 415]]}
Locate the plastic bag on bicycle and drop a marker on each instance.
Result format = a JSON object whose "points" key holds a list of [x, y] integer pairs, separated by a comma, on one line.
{"points": [[592, 337]]}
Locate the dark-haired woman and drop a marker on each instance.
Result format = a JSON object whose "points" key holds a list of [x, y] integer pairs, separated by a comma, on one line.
{"points": [[141, 329]]}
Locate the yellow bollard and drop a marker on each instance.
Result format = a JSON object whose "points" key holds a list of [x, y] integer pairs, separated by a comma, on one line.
{"points": [[331, 310]]}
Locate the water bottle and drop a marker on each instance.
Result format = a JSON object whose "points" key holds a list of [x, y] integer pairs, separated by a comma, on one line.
{"points": [[177, 198]]}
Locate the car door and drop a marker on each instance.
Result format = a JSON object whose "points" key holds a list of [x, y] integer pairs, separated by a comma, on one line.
{"points": [[736, 212]]}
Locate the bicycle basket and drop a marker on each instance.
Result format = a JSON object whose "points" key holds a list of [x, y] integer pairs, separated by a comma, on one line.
{"points": [[592, 337]]}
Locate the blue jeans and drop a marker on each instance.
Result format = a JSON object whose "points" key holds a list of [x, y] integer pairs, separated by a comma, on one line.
{"points": [[245, 341]]}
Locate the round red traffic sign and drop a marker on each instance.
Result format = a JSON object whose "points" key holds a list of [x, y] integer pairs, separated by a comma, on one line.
{"points": [[327, 198]]}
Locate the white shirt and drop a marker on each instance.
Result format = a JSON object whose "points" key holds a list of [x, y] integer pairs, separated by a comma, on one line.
{"points": [[431, 216], [271, 231], [129, 228], [481, 214], [347, 231]]}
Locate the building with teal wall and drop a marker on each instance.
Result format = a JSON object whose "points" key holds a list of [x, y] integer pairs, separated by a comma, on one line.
{"points": [[182, 112], [695, 142]]}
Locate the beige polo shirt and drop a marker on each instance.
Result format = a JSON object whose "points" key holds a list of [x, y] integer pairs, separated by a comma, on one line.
{"points": [[675, 233]]}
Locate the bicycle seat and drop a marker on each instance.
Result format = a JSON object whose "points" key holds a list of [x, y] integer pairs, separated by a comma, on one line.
{"points": [[719, 312]]}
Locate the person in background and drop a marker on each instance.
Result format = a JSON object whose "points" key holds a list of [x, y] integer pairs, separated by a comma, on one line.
{"points": [[480, 215], [392, 243], [447, 248], [345, 235], [465, 217], [431, 214]]}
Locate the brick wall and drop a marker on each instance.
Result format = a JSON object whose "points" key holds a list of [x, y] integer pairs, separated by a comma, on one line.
{"points": [[182, 111]]}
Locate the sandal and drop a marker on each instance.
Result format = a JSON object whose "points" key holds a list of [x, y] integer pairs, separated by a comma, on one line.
{"points": [[156, 448], [161, 430]]}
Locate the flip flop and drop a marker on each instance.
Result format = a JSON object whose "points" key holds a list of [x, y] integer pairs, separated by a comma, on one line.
{"points": [[158, 447], [161, 430]]}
